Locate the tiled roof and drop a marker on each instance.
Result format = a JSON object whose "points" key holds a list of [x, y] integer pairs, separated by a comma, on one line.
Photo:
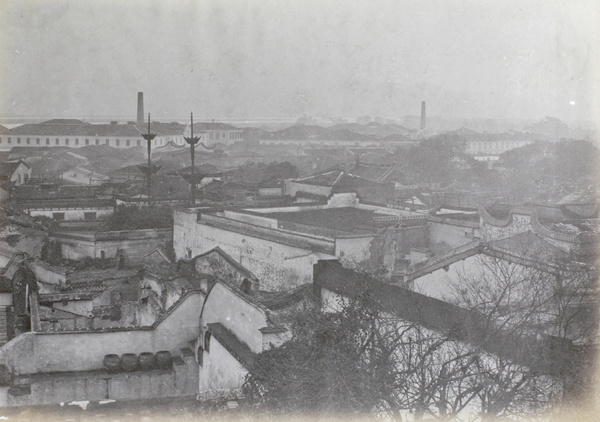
{"points": [[68, 127], [529, 246], [199, 127], [235, 346], [7, 168], [75, 128], [238, 267], [276, 301], [345, 218]]}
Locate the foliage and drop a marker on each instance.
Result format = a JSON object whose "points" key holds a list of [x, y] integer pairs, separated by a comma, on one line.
{"points": [[260, 172], [435, 160], [335, 363], [543, 163], [133, 218], [359, 360], [526, 300]]}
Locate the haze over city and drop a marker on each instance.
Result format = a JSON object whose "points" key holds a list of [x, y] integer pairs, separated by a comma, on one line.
{"points": [[270, 59]]}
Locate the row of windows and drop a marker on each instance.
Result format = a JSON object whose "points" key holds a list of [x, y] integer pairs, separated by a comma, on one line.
{"points": [[494, 145], [218, 135], [88, 216], [67, 141]]}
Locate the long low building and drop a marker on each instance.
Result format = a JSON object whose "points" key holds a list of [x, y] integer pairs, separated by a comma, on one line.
{"points": [[74, 133]]}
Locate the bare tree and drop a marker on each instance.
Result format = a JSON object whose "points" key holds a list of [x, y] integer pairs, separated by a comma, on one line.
{"points": [[550, 301]]}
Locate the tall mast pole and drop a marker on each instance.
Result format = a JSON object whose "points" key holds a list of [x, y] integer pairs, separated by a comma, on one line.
{"points": [[192, 141], [149, 169]]}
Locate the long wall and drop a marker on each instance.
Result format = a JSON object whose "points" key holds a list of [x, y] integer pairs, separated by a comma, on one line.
{"points": [[179, 381], [239, 316], [73, 214], [454, 234], [276, 264], [32, 353], [134, 243]]}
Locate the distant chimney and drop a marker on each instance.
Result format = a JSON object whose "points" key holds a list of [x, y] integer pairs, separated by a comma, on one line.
{"points": [[423, 115], [140, 109]]}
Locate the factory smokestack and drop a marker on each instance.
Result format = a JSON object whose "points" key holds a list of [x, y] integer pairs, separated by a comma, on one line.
{"points": [[423, 115], [140, 109]]}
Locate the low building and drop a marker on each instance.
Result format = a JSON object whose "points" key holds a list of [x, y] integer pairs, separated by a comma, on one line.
{"points": [[217, 133], [280, 244], [326, 183], [236, 326], [15, 172], [72, 133], [81, 176]]}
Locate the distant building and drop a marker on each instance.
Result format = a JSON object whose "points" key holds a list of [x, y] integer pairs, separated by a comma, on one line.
{"points": [[73, 133], [489, 146], [16, 172], [83, 176], [215, 132]]}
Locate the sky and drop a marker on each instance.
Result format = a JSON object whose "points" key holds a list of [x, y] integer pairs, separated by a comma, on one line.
{"points": [[255, 59]]}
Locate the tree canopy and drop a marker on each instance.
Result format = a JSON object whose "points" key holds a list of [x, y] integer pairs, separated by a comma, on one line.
{"points": [[133, 218]]}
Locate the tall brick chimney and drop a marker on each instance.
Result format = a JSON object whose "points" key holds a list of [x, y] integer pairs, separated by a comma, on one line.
{"points": [[423, 115], [140, 109]]}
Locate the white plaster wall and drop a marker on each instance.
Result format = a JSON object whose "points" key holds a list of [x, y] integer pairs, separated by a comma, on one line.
{"points": [[79, 307], [452, 235], [275, 264], [353, 250], [81, 351], [243, 319], [5, 299], [47, 275], [220, 370], [438, 283], [72, 215]]}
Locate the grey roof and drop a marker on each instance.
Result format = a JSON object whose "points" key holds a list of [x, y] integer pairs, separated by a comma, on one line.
{"points": [[8, 168], [199, 127], [237, 348], [71, 127]]}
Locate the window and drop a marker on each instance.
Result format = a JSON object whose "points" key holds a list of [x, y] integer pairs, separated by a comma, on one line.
{"points": [[18, 140], [66, 141], [97, 141], [0, 140], [107, 142], [59, 216], [207, 341], [102, 255], [138, 143], [37, 141], [9, 140], [89, 216], [56, 141], [47, 141], [28, 141], [127, 142], [87, 141], [76, 141], [117, 142]]}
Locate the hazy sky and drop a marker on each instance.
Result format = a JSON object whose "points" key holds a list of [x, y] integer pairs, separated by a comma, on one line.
{"points": [[262, 58]]}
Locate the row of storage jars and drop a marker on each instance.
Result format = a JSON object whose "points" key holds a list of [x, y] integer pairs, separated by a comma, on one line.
{"points": [[145, 361]]}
